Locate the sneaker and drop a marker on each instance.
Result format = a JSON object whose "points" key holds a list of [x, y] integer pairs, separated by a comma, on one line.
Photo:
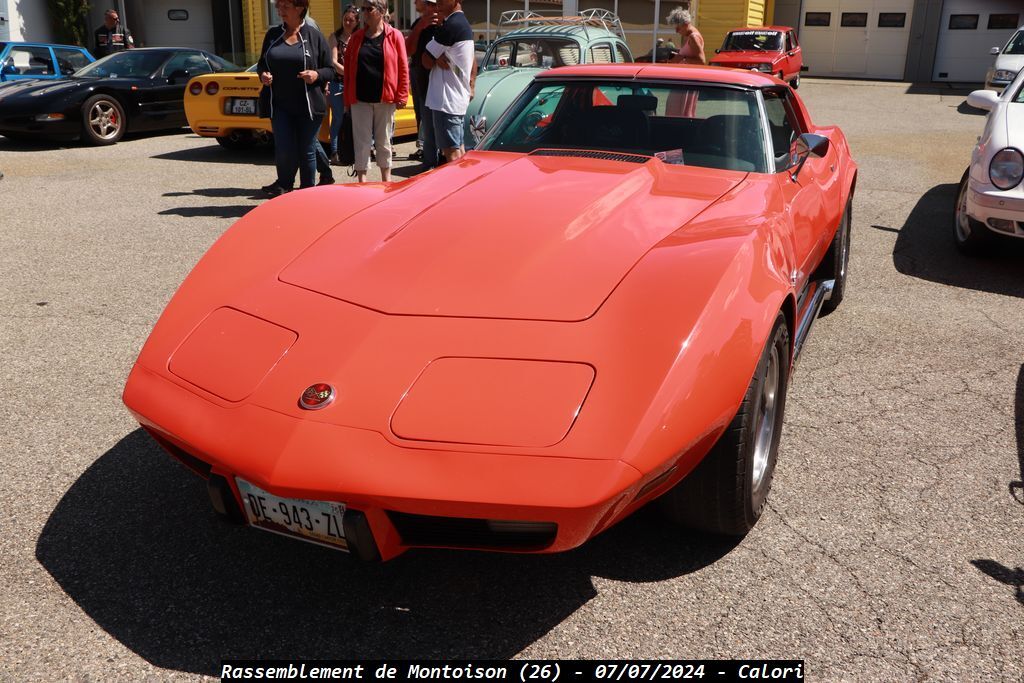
{"points": [[326, 179], [273, 190], [416, 156]]}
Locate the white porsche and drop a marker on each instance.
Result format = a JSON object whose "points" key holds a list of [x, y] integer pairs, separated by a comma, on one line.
{"points": [[990, 201]]}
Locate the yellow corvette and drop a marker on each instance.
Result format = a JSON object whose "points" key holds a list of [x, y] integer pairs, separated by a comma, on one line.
{"points": [[223, 106]]}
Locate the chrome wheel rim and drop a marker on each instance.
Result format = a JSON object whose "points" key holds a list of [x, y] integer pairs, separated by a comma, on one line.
{"points": [[962, 224], [104, 120], [764, 430]]}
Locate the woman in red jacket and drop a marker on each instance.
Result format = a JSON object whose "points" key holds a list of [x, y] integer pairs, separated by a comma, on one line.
{"points": [[376, 83]]}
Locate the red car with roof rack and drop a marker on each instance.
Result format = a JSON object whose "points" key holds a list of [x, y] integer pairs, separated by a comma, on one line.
{"points": [[768, 49]]}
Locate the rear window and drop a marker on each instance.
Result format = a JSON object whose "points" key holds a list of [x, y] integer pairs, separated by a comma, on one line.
{"points": [[539, 53]]}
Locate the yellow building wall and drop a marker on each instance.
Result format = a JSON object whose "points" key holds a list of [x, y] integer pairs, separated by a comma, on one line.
{"points": [[715, 18], [254, 22]]}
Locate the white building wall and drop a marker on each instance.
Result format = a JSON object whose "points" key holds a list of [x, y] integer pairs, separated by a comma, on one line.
{"points": [[30, 20]]}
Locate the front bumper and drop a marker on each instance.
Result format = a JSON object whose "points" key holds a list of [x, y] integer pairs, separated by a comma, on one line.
{"points": [[26, 124], [1000, 211], [401, 497]]}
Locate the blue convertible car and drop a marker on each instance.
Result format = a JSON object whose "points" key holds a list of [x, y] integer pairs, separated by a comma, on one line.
{"points": [[41, 60]]}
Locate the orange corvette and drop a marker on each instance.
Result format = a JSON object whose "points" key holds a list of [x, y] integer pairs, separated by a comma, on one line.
{"points": [[598, 307], [223, 106]]}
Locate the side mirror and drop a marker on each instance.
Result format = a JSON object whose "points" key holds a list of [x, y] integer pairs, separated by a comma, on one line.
{"points": [[805, 146], [994, 51], [983, 99], [178, 76]]}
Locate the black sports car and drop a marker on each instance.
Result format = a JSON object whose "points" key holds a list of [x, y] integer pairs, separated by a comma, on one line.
{"points": [[135, 90]]}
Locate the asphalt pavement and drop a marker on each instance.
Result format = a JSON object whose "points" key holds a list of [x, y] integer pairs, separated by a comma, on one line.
{"points": [[891, 549]]}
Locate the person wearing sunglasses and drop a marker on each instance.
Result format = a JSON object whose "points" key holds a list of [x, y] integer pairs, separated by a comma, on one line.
{"points": [[376, 83], [338, 42], [294, 66]]}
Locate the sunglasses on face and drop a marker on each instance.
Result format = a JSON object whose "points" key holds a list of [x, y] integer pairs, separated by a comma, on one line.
{"points": [[366, 9]]}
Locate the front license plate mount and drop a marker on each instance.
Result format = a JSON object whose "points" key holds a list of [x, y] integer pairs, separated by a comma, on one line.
{"points": [[313, 521]]}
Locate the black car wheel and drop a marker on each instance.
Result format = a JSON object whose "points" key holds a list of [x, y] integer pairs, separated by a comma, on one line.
{"points": [[726, 493], [103, 120], [795, 83], [970, 236], [837, 261]]}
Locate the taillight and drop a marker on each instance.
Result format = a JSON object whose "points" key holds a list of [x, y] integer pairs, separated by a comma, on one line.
{"points": [[195, 88], [212, 88]]}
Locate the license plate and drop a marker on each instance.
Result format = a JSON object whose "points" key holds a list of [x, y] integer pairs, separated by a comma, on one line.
{"points": [[241, 105], [316, 521]]}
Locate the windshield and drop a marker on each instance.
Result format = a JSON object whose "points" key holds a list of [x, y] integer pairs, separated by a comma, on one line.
{"points": [[685, 124], [1016, 44], [129, 64], [538, 53], [753, 40]]}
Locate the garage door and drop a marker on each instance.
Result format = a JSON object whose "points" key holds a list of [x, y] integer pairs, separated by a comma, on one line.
{"points": [[863, 38], [969, 29], [178, 23]]}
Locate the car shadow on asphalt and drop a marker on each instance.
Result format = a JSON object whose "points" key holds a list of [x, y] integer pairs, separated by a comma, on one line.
{"points": [[214, 153], [230, 211], [965, 108], [34, 144], [924, 249], [135, 544]]}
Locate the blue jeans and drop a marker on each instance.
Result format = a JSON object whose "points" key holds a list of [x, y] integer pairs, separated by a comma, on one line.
{"points": [[426, 131], [294, 137], [337, 112]]}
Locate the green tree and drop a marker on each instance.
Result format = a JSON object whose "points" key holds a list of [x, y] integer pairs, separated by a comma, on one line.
{"points": [[69, 18]]}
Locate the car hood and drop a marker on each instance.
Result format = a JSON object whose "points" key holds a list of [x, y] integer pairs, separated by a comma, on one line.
{"points": [[744, 57], [1010, 62], [36, 88], [506, 236]]}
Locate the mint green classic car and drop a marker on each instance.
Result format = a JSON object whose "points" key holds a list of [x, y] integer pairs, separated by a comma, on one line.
{"points": [[539, 41]]}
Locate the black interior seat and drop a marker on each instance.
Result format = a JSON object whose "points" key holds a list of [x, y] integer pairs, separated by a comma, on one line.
{"points": [[616, 128]]}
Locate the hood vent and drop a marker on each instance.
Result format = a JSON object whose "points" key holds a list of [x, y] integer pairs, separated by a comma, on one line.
{"points": [[591, 154]]}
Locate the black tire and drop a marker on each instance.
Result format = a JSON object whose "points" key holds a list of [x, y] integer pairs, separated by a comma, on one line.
{"points": [[795, 83], [103, 120], [728, 490], [837, 261], [970, 236]]}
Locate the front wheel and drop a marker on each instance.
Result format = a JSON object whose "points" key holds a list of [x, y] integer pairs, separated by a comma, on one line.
{"points": [[970, 236], [103, 120], [837, 261], [795, 83], [728, 490]]}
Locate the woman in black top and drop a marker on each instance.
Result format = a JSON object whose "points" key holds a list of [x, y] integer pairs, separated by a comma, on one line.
{"points": [[294, 65], [338, 41]]}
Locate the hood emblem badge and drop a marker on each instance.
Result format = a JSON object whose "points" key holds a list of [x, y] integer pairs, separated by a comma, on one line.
{"points": [[317, 396]]}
